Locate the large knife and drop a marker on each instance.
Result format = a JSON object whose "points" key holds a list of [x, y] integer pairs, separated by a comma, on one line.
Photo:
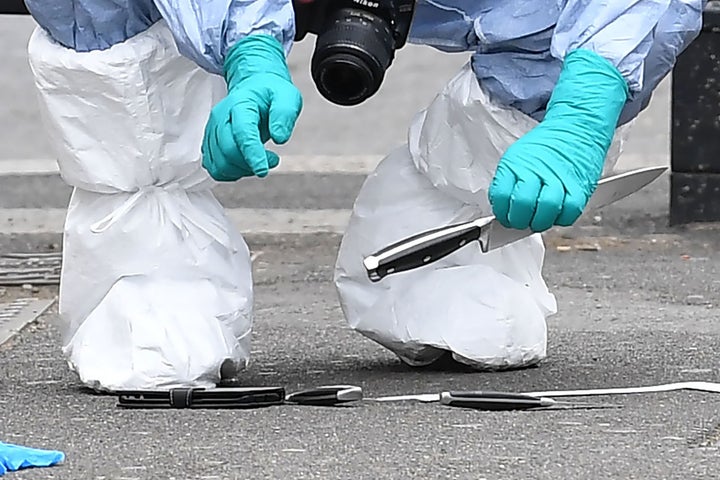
{"points": [[432, 245]]}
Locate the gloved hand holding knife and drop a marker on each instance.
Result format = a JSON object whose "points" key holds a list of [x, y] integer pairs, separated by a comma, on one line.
{"points": [[547, 176], [432, 245]]}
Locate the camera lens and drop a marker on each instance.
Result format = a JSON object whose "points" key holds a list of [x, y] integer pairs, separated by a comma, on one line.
{"points": [[351, 56]]}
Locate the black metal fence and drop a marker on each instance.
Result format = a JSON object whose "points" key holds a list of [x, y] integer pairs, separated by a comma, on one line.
{"points": [[13, 7], [695, 138], [695, 131]]}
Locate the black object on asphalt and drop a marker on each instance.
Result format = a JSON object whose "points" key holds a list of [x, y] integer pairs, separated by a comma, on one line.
{"points": [[494, 400], [489, 400], [237, 397], [198, 398]]}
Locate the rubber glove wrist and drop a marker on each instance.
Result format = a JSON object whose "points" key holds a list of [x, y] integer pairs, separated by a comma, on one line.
{"points": [[589, 97], [548, 175], [253, 55]]}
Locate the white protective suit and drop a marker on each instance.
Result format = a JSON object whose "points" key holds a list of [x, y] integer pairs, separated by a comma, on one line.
{"points": [[488, 310], [156, 285]]}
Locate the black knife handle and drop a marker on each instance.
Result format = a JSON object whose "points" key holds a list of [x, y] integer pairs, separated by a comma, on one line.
{"points": [[493, 400], [327, 395], [181, 398], [421, 249]]}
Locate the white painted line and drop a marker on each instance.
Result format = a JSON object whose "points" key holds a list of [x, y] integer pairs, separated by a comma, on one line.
{"points": [[18, 221], [14, 316], [341, 164], [286, 221], [29, 166], [347, 164], [31, 220]]}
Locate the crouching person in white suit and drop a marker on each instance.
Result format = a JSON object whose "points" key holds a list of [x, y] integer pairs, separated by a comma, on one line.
{"points": [[156, 287], [523, 132]]}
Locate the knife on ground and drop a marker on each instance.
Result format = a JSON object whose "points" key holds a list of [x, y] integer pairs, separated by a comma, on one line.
{"points": [[432, 245], [489, 400], [237, 397]]}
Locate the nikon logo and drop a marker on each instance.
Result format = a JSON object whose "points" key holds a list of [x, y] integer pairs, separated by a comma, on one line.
{"points": [[367, 3]]}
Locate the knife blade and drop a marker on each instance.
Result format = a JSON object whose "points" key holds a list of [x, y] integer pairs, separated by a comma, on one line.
{"points": [[431, 245]]}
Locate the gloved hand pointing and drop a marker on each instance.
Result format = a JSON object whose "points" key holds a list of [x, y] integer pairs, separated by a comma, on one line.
{"points": [[262, 104], [547, 176]]}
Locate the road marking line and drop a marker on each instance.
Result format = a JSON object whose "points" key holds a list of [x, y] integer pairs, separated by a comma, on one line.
{"points": [[18, 221], [347, 164], [340, 164], [14, 316], [29, 166]]}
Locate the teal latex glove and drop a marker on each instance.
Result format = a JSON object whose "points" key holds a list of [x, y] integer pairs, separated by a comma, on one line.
{"points": [[262, 104], [15, 457], [547, 176]]}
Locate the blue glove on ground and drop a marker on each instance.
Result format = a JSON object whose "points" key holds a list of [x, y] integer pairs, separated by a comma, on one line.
{"points": [[14, 457], [262, 104], [548, 175]]}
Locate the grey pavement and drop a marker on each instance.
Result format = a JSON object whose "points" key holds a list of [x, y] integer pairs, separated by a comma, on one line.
{"points": [[638, 305], [633, 313]]}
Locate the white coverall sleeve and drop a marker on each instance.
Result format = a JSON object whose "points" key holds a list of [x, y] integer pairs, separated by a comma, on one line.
{"points": [[205, 29], [624, 31]]}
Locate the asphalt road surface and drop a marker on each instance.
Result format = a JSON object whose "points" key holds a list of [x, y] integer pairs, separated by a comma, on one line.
{"points": [[639, 306]]}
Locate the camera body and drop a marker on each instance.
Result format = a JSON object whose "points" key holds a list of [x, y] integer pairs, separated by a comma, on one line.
{"points": [[356, 43]]}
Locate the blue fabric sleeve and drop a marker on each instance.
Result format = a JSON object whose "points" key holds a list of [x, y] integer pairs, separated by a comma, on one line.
{"points": [[205, 29], [88, 25], [626, 31]]}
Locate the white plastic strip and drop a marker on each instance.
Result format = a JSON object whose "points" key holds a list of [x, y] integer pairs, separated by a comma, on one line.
{"points": [[669, 387]]}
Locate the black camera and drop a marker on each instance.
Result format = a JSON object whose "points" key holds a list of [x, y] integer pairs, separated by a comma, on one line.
{"points": [[356, 43]]}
